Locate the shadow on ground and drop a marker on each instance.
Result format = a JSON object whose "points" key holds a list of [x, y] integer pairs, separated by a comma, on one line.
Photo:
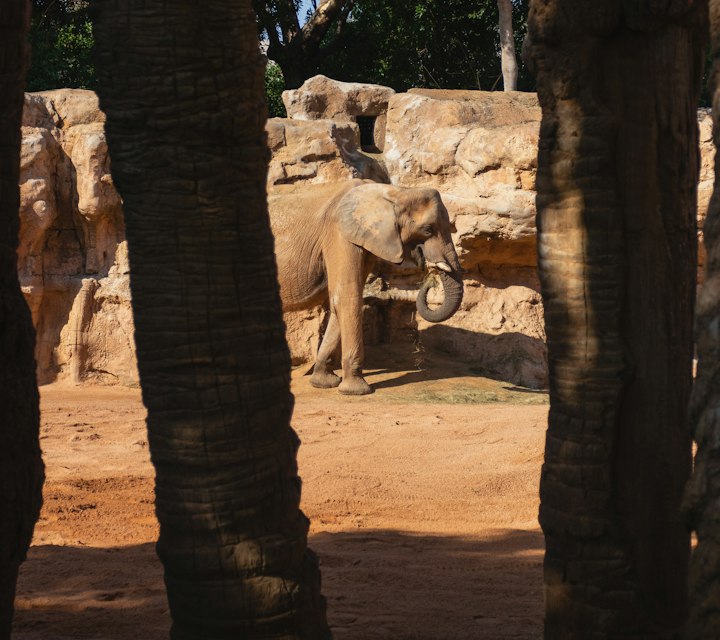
{"points": [[78, 593], [510, 357], [397, 373], [379, 585], [389, 585]]}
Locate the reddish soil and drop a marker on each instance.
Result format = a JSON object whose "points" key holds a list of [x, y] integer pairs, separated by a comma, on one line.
{"points": [[423, 501]]}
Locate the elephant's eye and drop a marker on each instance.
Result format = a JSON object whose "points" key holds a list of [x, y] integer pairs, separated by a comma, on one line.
{"points": [[427, 229]]}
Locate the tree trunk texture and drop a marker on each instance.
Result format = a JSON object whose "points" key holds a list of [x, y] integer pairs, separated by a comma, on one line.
{"points": [[703, 494], [617, 171], [21, 467], [182, 86], [507, 46]]}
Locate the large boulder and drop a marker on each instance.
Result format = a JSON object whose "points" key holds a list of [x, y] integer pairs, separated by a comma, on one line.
{"points": [[317, 151], [321, 98]]}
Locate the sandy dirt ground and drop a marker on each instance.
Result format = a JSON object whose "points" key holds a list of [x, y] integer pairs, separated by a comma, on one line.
{"points": [[422, 497]]}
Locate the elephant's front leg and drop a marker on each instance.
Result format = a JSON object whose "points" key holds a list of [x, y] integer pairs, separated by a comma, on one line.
{"points": [[347, 273], [353, 349], [323, 376]]}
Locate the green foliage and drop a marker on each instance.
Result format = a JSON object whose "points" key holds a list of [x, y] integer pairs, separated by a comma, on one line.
{"points": [[61, 38], [274, 85], [451, 44], [277, 12]]}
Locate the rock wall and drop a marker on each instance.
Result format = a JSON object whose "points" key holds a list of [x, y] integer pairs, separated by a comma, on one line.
{"points": [[477, 148], [707, 179], [317, 151], [72, 257]]}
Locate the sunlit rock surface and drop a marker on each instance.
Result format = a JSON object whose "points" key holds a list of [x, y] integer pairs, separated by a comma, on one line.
{"points": [[72, 256], [322, 98], [317, 151]]}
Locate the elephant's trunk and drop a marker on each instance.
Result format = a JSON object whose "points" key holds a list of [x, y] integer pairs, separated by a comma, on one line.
{"points": [[453, 291]]}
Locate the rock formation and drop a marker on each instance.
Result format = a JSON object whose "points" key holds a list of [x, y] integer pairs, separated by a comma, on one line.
{"points": [[72, 258], [477, 148], [707, 178], [317, 151], [321, 98]]}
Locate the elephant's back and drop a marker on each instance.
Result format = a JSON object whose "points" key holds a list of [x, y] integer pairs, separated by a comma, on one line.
{"points": [[298, 222], [297, 209]]}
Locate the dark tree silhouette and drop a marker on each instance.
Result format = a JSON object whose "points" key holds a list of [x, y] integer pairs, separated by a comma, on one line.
{"points": [[299, 50], [21, 468], [617, 175], [181, 84]]}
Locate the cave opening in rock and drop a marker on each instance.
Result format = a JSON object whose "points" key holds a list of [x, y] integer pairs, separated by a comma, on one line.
{"points": [[367, 133]]}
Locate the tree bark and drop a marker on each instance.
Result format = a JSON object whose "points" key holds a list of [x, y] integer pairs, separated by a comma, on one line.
{"points": [[617, 171], [182, 87], [507, 46], [21, 468], [703, 492]]}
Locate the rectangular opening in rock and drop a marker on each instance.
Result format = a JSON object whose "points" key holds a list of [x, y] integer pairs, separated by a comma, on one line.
{"points": [[367, 133]]}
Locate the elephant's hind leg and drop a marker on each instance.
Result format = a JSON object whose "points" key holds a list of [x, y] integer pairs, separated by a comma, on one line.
{"points": [[323, 376]]}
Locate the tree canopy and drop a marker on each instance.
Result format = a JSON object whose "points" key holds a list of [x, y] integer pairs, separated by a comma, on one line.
{"points": [[298, 46], [61, 39], [451, 44]]}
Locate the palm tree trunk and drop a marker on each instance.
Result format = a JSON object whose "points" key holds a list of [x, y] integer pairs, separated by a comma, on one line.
{"points": [[507, 46], [21, 468], [704, 488], [182, 86], [617, 169]]}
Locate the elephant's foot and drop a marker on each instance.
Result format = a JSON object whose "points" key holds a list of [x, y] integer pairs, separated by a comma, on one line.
{"points": [[324, 380], [354, 386]]}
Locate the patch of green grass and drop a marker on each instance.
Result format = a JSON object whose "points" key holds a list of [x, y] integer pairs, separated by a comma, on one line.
{"points": [[466, 394]]}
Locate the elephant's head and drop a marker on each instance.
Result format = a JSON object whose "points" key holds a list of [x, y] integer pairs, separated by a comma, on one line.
{"points": [[395, 223]]}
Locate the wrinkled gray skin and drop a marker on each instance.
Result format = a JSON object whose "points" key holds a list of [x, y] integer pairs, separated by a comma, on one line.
{"points": [[327, 252]]}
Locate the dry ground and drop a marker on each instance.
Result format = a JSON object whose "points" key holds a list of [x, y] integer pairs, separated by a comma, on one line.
{"points": [[423, 501]]}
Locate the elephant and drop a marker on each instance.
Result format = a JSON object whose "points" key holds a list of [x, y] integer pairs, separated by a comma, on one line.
{"points": [[326, 253]]}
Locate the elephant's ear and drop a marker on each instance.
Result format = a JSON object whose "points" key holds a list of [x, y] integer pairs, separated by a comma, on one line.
{"points": [[367, 218]]}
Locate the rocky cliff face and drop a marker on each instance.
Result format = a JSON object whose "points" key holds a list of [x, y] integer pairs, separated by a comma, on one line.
{"points": [[477, 148], [707, 179], [72, 258]]}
